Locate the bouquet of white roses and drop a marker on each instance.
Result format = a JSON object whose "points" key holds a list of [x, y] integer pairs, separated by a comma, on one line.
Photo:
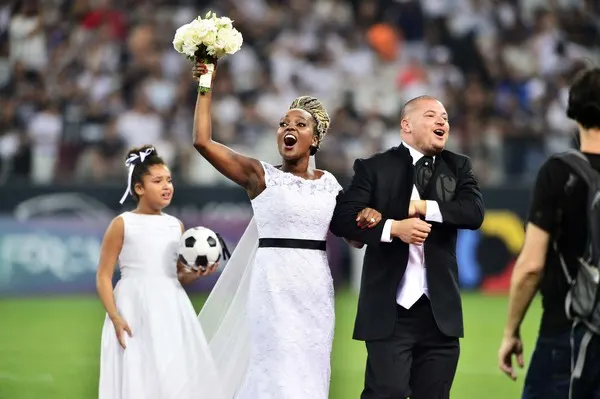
{"points": [[206, 40]]}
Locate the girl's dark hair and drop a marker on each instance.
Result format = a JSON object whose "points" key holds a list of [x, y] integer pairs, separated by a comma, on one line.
{"points": [[141, 168], [584, 99]]}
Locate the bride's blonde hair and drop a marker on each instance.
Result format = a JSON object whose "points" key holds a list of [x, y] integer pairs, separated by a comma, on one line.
{"points": [[316, 109]]}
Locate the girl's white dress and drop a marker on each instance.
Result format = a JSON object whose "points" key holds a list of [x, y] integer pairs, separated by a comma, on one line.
{"points": [[167, 356]]}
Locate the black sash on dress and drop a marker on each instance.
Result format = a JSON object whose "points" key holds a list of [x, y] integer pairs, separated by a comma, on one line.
{"points": [[291, 243]]}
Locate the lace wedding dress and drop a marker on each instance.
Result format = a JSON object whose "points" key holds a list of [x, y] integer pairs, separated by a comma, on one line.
{"points": [[290, 310]]}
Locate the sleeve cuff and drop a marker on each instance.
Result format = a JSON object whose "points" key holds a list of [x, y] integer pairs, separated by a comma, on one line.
{"points": [[386, 234], [433, 213]]}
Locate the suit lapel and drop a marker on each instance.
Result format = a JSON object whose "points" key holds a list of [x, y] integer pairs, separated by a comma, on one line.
{"points": [[442, 184], [437, 168], [401, 184]]}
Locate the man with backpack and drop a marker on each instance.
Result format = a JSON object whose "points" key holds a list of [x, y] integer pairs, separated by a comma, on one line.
{"points": [[560, 257]]}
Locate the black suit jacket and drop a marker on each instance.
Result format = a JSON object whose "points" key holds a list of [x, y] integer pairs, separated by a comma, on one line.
{"points": [[384, 182]]}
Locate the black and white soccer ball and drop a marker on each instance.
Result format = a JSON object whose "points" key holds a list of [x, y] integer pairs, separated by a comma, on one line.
{"points": [[199, 248]]}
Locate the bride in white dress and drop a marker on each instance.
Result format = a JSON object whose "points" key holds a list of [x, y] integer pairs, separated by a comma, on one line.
{"points": [[289, 304], [152, 344]]}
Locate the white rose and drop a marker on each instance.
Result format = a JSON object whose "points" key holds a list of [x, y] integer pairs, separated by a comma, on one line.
{"points": [[192, 37], [210, 38], [230, 40], [179, 40], [189, 44], [222, 35], [189, 49], [213, 52], [206, 28], [234, 43], [224, 22], [219, 53]]}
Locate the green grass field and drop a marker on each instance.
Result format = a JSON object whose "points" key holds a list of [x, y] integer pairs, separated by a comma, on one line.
{"points": [[49, 348]]}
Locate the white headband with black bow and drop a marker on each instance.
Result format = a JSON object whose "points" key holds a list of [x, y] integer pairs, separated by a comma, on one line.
{"points": [[133, 160]]}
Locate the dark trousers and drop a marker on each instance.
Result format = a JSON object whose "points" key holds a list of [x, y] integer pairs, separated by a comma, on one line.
{"points": [[549, 373], [417, 360]]}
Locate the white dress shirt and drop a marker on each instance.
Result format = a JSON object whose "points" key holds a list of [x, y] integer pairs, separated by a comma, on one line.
{"points": [[414, 282]]}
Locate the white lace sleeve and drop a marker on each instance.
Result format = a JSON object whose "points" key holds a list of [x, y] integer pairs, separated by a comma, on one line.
{"points": [[269, 169], [335, 185]]}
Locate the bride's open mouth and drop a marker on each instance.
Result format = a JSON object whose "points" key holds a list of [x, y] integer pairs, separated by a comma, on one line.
{"points": [[289, 140]]}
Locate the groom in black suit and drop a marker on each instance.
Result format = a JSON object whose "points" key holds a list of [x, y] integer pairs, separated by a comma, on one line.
{"points": [[409, 308]]}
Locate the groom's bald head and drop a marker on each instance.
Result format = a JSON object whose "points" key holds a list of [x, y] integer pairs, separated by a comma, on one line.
{"points": [[413, 103]]}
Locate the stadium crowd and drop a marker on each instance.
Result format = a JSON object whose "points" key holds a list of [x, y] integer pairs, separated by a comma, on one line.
{"points": [[83, 80]]}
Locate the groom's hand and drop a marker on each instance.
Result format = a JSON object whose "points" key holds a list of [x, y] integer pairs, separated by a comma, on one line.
{"points": [[411, 230]]}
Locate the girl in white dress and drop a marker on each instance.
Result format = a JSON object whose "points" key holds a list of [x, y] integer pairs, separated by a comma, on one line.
{"points": [[152, 344], [290, 301]]}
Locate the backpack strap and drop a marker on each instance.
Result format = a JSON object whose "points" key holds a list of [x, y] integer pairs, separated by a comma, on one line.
{"points": [[578, 361], [591, 178], [571, 158], [580, 164], [568, 189], [583, 170], [558, 231]]}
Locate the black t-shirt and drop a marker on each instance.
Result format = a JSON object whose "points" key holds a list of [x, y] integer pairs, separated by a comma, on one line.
{"points": [[548, 196]]}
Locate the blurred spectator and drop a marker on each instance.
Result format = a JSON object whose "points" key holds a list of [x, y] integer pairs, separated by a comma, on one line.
{"points": [[141, 124], [44, 132], [114, 81], [27, 36], [103, 160]]}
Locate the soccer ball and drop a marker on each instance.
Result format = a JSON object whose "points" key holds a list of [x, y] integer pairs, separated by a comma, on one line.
{"points": [[199, 248]]}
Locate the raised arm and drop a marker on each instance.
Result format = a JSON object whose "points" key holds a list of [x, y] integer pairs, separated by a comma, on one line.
{"points": [[245, 171]]}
